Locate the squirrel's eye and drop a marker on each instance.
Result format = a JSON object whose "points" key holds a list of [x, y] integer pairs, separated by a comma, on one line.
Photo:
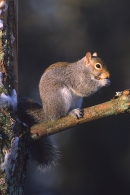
{"points": [[98, 66]]}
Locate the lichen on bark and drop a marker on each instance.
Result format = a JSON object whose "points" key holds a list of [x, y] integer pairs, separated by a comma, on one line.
{"points": [[12, 147]]}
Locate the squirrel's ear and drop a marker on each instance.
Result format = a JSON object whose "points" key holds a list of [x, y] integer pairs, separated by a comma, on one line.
{"points": [[95, 54], [88, 58]]}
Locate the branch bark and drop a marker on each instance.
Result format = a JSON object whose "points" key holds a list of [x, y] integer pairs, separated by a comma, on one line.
{"points": [[12, 145], [119, 104]]}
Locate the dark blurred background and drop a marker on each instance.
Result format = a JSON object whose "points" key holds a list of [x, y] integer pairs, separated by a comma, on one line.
{"points": [[95, 157]]}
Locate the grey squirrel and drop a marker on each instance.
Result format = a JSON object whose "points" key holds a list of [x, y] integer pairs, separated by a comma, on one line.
{"points": [[63, 85]]}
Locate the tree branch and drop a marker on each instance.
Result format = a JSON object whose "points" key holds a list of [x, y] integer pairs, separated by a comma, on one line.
{"points": [[13, 150], [119, 104]]}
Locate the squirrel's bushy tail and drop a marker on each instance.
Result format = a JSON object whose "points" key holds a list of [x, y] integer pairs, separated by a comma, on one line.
{"points": [[42, 151]]}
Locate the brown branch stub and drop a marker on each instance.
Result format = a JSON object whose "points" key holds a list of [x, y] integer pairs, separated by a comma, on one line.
{"points": [[119, 104]]}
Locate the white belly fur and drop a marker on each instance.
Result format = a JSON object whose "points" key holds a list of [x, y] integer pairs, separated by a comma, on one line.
{"points": [[71, 100]]}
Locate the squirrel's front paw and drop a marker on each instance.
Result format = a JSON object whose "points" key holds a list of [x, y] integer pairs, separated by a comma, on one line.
{"points": [[77, 113], [105, 82]]}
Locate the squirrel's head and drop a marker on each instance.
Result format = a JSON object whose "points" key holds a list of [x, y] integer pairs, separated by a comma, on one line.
{"points": [[97, 66]]}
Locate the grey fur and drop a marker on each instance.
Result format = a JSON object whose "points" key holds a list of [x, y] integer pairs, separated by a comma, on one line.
{"points": [[63, 86]]}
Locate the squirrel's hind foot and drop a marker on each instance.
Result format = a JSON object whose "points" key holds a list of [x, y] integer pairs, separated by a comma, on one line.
{"points": [[77, 113]]}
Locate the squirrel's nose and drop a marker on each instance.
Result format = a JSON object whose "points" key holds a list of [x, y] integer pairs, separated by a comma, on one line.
{"points": [[105, 75]]}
